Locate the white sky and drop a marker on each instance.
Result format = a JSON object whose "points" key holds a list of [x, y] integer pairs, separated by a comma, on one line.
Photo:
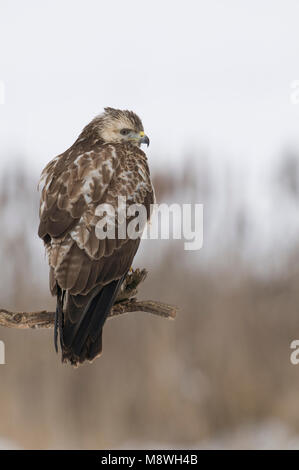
{"points": [[205, 73]]}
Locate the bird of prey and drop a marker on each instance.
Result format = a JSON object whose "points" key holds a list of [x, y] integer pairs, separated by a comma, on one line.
{"points": [[86, 272]]}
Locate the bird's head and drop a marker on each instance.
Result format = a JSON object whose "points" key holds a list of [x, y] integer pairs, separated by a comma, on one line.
{"points": [[117, 126]]}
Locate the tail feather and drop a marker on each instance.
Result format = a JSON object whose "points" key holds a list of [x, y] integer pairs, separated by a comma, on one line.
{"points": [[94, 347], [93, 317], [82, 339], [59, 317]]}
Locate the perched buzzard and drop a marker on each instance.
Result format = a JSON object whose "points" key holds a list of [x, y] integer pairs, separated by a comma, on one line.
{"points": [[86, 272]]}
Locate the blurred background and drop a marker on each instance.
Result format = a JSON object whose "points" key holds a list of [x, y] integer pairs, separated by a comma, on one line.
{"points": [[214, 83]]}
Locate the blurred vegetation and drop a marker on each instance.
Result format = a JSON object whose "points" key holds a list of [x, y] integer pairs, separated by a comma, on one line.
{"points": [[222, 363]]}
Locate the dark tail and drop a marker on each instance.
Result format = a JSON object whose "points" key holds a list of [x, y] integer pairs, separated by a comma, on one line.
{"points": [[59, 317], [81, 329]]}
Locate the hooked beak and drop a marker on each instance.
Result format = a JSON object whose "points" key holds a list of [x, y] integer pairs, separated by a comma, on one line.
{"points": [[144, 139]]}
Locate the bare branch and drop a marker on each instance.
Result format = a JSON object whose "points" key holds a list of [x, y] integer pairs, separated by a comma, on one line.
{"points": [[125, 303]]}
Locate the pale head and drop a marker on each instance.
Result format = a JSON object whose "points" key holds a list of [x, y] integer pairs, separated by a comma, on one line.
{"points": [[117, 126]]}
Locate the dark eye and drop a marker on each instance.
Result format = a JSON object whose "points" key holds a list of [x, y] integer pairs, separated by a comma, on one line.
{"points": [[125, 131]]}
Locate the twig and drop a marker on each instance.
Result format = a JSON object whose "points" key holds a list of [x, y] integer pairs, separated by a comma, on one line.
{"points": [[125, 303]]}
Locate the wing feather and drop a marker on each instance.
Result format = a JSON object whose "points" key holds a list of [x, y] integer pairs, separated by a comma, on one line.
{"points": [[74, 184]]}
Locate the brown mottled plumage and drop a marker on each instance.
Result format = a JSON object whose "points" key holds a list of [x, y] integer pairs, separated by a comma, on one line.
{"points": [[105, 162]]}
